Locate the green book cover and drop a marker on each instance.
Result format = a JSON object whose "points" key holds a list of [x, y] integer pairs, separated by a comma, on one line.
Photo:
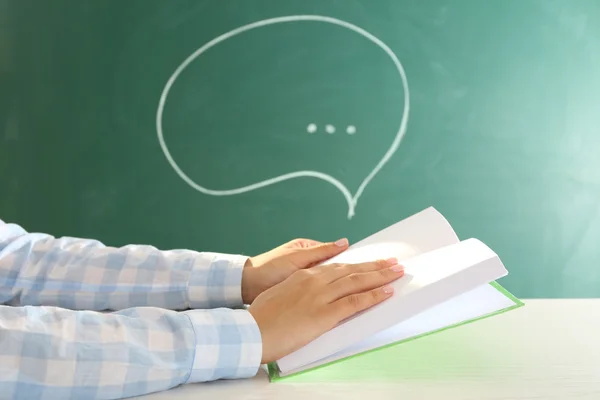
{"points": [[380, 356]]}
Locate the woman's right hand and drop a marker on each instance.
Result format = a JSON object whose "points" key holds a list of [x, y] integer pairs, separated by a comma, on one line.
{"points": [[312, 301]]}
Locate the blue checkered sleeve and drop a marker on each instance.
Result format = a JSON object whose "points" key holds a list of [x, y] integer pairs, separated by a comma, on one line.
{"points": [[85, 274], [83, 320], [55, 353]]}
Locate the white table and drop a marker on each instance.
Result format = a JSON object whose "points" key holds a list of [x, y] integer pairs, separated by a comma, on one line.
{"points": [[549, 349]]}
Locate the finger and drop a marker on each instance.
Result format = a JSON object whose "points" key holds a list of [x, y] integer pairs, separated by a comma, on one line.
{"points": [[348, 306], [319, 252], [334, 272], [363, 281], [302, 243]]}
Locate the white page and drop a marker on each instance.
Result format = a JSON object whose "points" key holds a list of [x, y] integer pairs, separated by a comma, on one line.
{"points": [[475, 303], [430, 279], [422, 232]]}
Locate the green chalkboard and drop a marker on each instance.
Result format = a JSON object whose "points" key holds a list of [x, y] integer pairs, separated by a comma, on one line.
{"points": [[237, 125]]}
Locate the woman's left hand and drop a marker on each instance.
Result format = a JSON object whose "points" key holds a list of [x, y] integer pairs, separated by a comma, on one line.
{"points": [[268, 269]]}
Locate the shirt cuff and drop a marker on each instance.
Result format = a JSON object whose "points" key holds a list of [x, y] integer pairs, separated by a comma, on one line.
{"points": [[216, 281], [228, 345]]}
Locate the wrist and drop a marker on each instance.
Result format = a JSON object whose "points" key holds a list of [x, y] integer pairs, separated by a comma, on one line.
{"points": [[248, 281]]}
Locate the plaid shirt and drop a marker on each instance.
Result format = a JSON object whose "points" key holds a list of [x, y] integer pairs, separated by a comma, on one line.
{"points": [[82, 320]]}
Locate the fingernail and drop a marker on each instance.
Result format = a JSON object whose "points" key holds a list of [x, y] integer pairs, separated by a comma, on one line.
{"points": [[341, 242], [388, 289], [392, 261], [397, 268]]}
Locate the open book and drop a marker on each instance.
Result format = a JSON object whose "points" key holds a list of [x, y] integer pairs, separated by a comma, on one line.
{"points": [[446, 282]]}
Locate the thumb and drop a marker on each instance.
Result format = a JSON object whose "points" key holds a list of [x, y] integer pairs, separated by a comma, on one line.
{"points": [[313, 255]]}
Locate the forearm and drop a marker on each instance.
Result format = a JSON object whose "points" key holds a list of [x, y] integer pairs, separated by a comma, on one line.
{"points": [[48, 352], [77, 273]]}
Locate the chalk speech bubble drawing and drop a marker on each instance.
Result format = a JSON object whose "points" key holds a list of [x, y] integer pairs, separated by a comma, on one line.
{"points": [[351, 198]]}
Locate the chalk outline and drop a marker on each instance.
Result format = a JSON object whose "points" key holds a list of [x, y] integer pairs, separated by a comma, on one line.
{"points": [[352, 200]]}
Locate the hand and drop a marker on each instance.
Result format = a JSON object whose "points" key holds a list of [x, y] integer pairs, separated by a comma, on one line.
{"points": [[268, 269], [313, 301]]}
